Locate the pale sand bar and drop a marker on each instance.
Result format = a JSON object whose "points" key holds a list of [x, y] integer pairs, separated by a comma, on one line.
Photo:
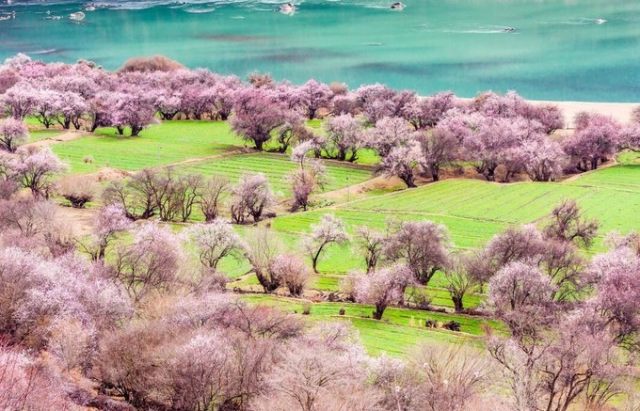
{"points": [[619, 111]]}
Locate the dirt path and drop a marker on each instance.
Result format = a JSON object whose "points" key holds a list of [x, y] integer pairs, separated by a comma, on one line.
{"points": [[79, 220], [207, 158], [355, 192], [66, 136]]}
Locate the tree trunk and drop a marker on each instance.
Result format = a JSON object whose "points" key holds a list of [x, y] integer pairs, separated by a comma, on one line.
{"points": [[457, 303], [435, 172], [377, 314], [315, 258], [408, 180]]}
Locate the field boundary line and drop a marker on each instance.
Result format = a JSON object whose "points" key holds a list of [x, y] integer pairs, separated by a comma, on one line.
{"points": [[63, 137]]}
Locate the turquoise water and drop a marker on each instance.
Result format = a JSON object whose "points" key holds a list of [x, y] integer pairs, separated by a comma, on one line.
{"points": [[562, 49]]}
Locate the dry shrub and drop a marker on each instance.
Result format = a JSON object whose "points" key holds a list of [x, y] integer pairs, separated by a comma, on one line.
{"points": [[78, 191], [154, 63]]}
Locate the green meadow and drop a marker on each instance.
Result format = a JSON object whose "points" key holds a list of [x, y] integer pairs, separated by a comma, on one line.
{"points": [[276, 167], [162, 144], [472, 210]]}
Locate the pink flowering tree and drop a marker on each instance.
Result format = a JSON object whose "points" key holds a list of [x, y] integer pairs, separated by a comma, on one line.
{"points": [[257, 116], [389, 133], [307, 177], [313, 96], [224, 97], [45, 107], [150, 263], [427, 112], [35, 169], [344, 137], [378, 101], [293, 272], [252, 197], [543, 159], [422, 246], [198, 100], [618, 289], [134, 109], [110, 220], [383, 287], [511, 105], [403, 162], [438, 147], [595, 140], [69, 108], [214, 241], [330, 230], [168, 103], [12, 134], [522, 297], [20, 100]]}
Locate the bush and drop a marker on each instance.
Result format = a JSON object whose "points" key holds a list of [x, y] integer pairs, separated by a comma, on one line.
{"points": [[155, 63], [452, 325], [306, 309], [78, 191], [421, 300]]}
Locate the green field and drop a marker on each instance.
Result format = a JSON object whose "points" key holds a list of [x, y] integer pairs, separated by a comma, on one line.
{"points": [[40, 135], [162, 144], [276, 167], [472, 210], [397, 332]]}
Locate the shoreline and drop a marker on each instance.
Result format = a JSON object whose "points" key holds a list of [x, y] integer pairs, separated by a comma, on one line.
{"points": [[618, 111]]}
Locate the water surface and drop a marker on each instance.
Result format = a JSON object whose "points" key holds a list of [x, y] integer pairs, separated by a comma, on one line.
{"points": [[561, 49]]}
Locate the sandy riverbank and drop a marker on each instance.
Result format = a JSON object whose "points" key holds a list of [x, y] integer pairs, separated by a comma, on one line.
{"points": [[619, 111]]}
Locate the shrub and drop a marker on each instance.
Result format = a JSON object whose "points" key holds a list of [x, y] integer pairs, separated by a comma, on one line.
{"points": [[306, 309], [154, 63], [78, 191], [452, 325]]}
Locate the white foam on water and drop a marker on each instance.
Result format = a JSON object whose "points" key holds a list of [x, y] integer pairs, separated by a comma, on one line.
{"points": [[44, 52]]}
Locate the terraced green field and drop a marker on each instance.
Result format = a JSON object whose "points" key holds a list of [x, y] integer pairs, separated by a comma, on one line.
{"points": [[397, 332], [472, 210], [276, 167], [475, 210], [166, 143]]}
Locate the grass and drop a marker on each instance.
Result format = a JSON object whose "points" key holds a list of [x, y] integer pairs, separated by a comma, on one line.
{"points": [[474, 210], [397, 332], [275, 167], [40, 135], [166, 143]]}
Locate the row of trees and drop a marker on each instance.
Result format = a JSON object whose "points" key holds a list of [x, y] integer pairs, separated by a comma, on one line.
{"points": [[413, 135]]}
